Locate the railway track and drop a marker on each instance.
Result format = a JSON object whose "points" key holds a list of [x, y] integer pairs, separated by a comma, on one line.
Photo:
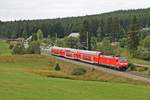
{"points": [[107, 70]]}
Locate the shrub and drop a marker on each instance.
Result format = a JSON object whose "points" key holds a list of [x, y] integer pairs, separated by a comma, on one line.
{"points": [[143, 53], [132, 67], [149, 72], [145, 68], [141, 70], [18, 49], [34, 48], [11, 46], [78, 71], [57, 67]]}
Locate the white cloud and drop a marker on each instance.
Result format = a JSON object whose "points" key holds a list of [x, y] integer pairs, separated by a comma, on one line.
{"points": [[37, 9]]}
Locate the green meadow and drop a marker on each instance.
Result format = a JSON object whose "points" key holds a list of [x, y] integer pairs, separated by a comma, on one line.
{"points": [[17, 82], [4, 48]]}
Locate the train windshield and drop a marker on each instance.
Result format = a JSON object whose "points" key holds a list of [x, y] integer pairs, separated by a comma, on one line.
{"points": [[122, 59]]}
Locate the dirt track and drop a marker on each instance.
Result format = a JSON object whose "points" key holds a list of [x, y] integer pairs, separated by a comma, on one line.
{"points": [[124, 74]]}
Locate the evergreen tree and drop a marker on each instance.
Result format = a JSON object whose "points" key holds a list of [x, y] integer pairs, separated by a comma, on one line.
{"points": [[39, 34], [85, 35], [106, 46], [72, 42], [93, 43], [24, 34], [133, 37], [100, 30]]}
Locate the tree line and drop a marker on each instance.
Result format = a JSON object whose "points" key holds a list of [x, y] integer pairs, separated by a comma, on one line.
{"points": [[97, 32], [114, 25]]}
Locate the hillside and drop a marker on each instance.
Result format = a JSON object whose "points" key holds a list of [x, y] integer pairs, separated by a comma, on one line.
{"points": [[18, 82], [108, 23]]}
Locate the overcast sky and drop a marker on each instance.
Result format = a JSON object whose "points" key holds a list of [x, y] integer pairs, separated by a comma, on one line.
{"points": [[41, 9]]}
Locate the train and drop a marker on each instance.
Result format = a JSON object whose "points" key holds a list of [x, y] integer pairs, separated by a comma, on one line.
{"points": [[92, 57]]}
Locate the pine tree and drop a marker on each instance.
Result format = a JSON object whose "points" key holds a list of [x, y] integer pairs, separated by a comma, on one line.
{"points": [[39, 34], [133, 37], [84, 34], [24, 34]]}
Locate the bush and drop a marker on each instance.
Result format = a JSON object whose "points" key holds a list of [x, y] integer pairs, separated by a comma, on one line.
{"points": [[149, 72], [145, 68], [11, 46], [18, 49], [141, 70], [34, 48], [132, 67], [78, 71], [143, 53], [123, 42], [57, 67]]}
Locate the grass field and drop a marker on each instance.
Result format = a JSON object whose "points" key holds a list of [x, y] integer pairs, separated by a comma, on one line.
{"points": [[4, 48], [29, 77], [17, 83]]}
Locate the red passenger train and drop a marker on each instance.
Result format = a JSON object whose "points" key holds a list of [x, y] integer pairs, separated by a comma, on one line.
{"points": [[93, 57]]}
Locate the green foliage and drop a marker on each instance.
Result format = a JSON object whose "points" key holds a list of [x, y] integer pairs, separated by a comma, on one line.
{"points": [[34, 48], [132, 67], [149, 72], [34, 37], [133, 43], [60, 42], [83, 34], [93, 43], [135, 25], [25, 34], [112, 25], [123, 42], [18, 49], [146, 42], [57, 67], [72, 42], [39, 35], [143, 51], [78, 71], [106, 46], [133, 37], [11, 46]]}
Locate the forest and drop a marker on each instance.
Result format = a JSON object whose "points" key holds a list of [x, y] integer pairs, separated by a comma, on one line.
{"points": [[114, 25], [128, 29]]}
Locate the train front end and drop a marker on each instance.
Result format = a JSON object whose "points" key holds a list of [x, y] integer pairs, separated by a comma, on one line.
{"points": [[123, 63]]}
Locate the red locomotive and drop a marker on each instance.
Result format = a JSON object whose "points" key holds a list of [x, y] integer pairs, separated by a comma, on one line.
{"points": [[93, 57]]}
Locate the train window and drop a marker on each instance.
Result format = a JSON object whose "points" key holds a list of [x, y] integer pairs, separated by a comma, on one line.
{"points": [[122, 59]]}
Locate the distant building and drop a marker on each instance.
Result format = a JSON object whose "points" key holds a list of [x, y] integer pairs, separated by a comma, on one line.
{"points": [[145, 29], [74, 35], [26, 42]]}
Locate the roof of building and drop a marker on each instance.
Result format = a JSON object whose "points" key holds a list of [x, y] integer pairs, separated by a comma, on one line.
{"points": [[74, 35]]}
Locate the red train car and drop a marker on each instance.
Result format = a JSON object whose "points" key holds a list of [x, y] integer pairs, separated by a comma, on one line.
{"points": [[58, 51], [89, 56], [71, 53], [93, 57], [116, 62]]}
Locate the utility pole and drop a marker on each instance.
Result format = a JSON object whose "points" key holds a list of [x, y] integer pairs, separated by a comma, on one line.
{"points": [[87, 40], [56, 39]]}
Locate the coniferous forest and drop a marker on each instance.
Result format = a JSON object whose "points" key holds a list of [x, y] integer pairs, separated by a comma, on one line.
{"points": [[114, 25]]}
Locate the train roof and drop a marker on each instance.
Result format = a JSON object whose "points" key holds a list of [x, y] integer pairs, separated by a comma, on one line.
{"points": [[55, 47], [82, 51], [90, 52]]}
